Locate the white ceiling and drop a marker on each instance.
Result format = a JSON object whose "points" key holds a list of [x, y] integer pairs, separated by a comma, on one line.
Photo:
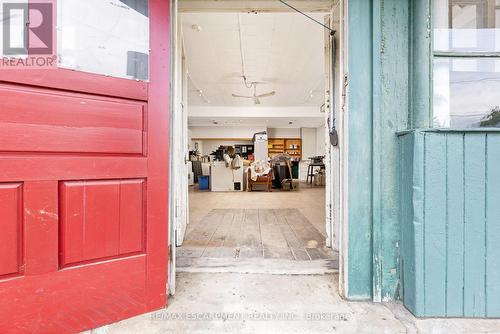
{"points": [[284, 50]]}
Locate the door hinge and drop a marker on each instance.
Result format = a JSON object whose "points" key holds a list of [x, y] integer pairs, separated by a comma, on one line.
{"points": [[344, 92], [177, 209]]}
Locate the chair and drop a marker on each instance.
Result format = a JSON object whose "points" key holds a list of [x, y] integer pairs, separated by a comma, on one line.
{"points": [[264, 180]]}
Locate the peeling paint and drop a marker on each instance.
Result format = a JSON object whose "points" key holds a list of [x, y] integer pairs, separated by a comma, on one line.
{"points": [[42, 215]]}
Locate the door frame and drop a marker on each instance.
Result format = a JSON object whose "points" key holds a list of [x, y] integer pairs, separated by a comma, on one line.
{"points": [[336, 207], [179, 155], [171, 220], [336, 156], [341, 165]]}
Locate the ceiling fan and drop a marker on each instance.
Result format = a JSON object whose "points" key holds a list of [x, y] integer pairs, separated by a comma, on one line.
{"points": [[256, 98]]}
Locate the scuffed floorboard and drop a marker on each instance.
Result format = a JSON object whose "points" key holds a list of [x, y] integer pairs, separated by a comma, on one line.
{"points": [[256, 266], [279, 234]]}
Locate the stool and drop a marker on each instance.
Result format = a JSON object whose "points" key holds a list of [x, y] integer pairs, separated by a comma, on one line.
{"points": [[310, 171]]}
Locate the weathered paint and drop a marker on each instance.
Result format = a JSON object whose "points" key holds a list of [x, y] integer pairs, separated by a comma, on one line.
{"points": [[421, 66], [88, 223], [390, 115], [492, 275], [440, 209], [378, 109], [450, 250], [360, 150]]}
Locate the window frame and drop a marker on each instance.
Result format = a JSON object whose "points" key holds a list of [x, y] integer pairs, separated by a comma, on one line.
{"points": [[452, 54]]}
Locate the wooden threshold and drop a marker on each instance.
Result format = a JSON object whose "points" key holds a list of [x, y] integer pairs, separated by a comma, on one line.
{"points": [[256, 266]]}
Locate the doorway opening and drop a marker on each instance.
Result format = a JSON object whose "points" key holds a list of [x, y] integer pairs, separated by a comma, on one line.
{"points": [[257, 183]]}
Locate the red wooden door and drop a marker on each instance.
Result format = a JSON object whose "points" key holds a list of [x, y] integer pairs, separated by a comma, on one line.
{"points": [[83, 193]]}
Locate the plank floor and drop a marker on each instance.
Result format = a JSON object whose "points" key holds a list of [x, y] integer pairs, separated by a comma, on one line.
{"points": [[280, 234]]}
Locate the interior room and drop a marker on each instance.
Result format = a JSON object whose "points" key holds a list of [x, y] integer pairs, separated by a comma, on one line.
{"points": [[254, 95]]}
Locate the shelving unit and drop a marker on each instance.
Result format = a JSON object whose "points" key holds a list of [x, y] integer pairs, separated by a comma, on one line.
{"points": [[293, 147], [276, 146], [290, 146], [245, 151]]}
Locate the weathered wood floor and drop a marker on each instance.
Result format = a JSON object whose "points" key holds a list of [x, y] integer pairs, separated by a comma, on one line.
{"points": [[279, 234]]}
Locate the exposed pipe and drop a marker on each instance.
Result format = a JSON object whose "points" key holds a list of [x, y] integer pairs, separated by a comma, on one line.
{"points": [[332, 32], [242, 54]]}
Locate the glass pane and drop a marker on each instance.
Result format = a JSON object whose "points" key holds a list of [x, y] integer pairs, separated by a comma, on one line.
{"points": [[466, 25], [106, 37], [466, 93]]}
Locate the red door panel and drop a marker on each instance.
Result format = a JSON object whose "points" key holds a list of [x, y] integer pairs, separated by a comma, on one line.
{"points": [[132, 209], [11, 227], [41, 226], [66, 123], [63, 79], [101, 219], [83, 193], [75, 299]]}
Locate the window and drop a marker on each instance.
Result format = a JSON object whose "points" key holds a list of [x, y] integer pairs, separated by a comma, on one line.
{"points": [[466, 63], [105, 37]]}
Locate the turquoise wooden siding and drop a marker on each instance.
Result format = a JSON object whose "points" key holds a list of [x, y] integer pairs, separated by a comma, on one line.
{"points": [[360, 151], [420, 115], [450, 214], [391, 21], [379, 60]]}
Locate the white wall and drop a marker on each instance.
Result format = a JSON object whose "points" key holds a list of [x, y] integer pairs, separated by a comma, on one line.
{"points": [[210, 138], [320, 141], [283, 133], [190, 140], [308, 142], [225, 132], [208, 146], [313, 142]]}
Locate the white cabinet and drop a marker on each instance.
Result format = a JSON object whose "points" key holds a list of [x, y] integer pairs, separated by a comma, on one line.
{"points": [[224, 178]]}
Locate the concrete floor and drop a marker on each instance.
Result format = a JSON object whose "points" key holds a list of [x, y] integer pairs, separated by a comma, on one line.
{"points": [[255, 303], [217, 301]]}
